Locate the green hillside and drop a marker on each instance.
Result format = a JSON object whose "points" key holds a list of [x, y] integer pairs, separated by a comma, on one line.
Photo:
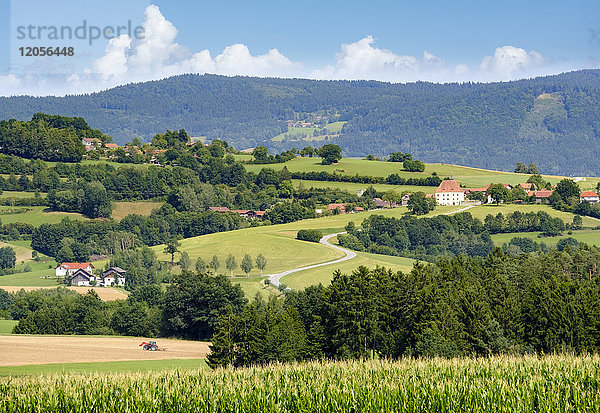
{"points": [[551, 121]]}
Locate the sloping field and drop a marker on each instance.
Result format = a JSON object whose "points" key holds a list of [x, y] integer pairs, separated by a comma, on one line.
{"points": [[18, 350], [122, 209], [105, 294], [471, 177]]}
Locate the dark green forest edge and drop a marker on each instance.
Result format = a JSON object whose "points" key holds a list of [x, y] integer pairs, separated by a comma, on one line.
{"points": [[552, 119]]}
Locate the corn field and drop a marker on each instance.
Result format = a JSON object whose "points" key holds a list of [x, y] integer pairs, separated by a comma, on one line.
{"points": [[558, 383]]}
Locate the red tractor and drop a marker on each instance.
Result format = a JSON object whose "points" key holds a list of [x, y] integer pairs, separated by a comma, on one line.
{"points": [[151, 346]]}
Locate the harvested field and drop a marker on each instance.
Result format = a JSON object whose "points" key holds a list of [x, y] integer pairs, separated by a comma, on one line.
{"points": [[19, 350], [105, 294]]}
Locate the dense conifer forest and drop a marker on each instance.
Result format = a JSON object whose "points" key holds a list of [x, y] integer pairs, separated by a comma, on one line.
{"points": [[551, 119]]}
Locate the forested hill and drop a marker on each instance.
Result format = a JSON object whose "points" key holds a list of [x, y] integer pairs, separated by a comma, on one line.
{"points": [[552, 121]]}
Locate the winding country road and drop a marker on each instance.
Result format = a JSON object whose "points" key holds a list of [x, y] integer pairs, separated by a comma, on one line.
{"points": [[274, 278]]}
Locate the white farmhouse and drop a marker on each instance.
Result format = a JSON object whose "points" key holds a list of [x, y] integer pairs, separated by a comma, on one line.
{"points": [[589, 196], [449, 193], [69, 268]]}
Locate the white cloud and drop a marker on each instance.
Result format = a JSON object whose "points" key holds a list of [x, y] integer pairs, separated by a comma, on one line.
{"points": [[114, 61], [157, 55], [509, 62], [362, 60]]}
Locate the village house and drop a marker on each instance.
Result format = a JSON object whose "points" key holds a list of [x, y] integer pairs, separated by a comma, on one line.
{"points": [[333, 207], [449, 193], [90, 143], [405, 199], [82, 278], [111, 146], [589, 196], [380, 203], [113, 276], [541, 197], [243, 212], [69, 268]]}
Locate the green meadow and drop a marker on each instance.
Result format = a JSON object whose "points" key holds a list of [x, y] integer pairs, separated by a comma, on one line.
{"points": [[469, 177], [134, 366]]}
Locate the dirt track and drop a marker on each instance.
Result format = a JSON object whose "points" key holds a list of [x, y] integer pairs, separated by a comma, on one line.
{"points": [[21, 350], [105, 294]]}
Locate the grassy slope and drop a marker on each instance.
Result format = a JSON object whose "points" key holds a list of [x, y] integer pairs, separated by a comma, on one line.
{"points": [[105, 367], [587, 236], [19, 194], [324, 275], [122, 209], [352, 187], [35, 216], [470, 177], [276, 242], [32, 279], [483, 210], [6, 326]]}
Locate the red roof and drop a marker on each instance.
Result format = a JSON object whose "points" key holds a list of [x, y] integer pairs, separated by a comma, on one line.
{"points": [[544, 193], [359, 209], [111, 145], [526, 186], [240, 211], [259, 213], [76, 265], [588, 194], [449, 185], [334, 206]]}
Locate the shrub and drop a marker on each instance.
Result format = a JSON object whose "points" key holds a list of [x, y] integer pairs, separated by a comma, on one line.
{"points": [[312, 235]]}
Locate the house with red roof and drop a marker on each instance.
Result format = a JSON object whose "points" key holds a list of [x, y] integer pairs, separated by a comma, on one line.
{"points": [[333, 207], [69, 268], [589, 196], [541, 197], [449, 193]]}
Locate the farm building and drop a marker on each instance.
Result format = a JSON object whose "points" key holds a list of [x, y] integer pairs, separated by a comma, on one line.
{"points": [[589, 196], [69, 268], [113, 276], [541, 197], [81, 278], [449, 193]]}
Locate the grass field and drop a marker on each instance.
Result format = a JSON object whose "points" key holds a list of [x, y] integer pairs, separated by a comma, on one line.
{"points": [[36, 215], [470, 177], [6, 326], [253, 285], [323, 275], [277, 242], [590, 237], [352, 187], [122, 209], [556, 383], [19, 194], [105, 367], [21, 350], [32, 278], [482, 211], [307, 134]]}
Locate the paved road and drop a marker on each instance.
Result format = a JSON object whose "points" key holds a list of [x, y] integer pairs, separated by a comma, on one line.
{"points": [[274, 278], [460, 210]]}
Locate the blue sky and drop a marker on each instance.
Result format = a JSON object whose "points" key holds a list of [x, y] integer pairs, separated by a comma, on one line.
{"points": [[398, 41]]}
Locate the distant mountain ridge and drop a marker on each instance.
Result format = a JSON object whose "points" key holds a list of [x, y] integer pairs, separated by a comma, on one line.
{"points": [[553, 121]]}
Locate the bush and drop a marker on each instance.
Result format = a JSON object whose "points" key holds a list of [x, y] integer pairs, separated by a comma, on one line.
{"points": [[312, 235]]}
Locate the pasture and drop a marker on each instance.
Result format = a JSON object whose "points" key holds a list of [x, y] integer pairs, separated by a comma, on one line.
{"points": [[122, 209], [34, 215], [467, 176]]}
